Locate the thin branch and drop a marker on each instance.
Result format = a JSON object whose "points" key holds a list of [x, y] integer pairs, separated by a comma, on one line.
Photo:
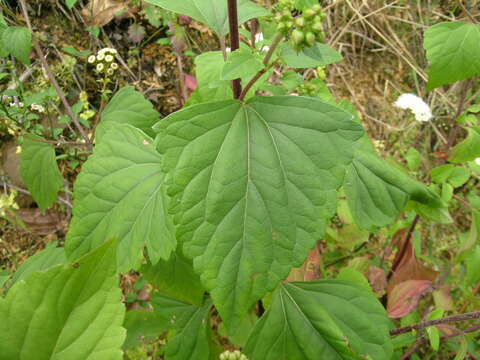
{"points": [[445, 320], [234, 41], [51, 76]]}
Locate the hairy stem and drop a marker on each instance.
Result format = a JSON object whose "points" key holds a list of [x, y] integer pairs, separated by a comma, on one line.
{"points": [[445, 320], [234, 41]]}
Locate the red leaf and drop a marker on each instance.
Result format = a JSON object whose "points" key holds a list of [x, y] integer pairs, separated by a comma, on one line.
{"points": [[190, 82], [404, 297]]}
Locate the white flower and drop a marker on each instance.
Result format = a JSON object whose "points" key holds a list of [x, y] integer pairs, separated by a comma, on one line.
{"points": [[110, 72], [20, 104], [258, 38], [91, 59], [100, 67], [418, 107], [109, 58], [114, 66], [100, 57], [477, 161], [37, 107], [107, 50]]}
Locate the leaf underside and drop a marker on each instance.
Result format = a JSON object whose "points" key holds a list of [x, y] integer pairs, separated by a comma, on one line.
{"points": [[251, 186]]}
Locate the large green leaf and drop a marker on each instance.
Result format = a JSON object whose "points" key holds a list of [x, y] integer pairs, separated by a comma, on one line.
{"points": [[377, 192], [68, 312], [468, 149], [241, 63], [175, 277], [119, 194], [212, 12], [191, 324], [18, 41], [39, 170], [142, 325], [317, 55], [327, 319], [252, 185], [130, 107], [453, 52], [42, 260]]}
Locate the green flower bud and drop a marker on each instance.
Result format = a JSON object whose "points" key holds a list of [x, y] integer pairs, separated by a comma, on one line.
{"points": [[317, 8], [320, 36], [317, 26], [300, 21], [297, 37], [309, 13], [310, 38]]}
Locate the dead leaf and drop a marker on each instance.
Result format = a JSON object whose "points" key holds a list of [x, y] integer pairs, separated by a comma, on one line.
{"points": [[377, 279], [11, 164], [101, 12], [42, 223], [404, 297], [136, 33], [309, 271], [443, 299]]}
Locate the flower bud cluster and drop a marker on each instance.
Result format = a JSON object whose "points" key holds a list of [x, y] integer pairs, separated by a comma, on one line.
{"points": [[38, 108], [305, 29], [233, 355], [308, 89], [104, 61]]}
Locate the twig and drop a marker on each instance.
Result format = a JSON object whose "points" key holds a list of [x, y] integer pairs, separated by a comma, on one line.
{"points": [[445, 320], [51, 76], [234, 42], [26, 192]]}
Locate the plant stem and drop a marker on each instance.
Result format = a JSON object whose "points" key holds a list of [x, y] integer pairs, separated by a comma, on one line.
{"points": [[234, 42], [445, 320], [51, 76], [276, 41]]}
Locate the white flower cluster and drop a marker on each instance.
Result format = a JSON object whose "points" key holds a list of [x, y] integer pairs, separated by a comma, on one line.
{"points": [[104, 61], [419, 108], [477, 161], [37, 107], [233, 355], [19, 104]]}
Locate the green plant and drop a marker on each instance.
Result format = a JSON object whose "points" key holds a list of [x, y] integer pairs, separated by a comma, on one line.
{"points": [[217, 203]]}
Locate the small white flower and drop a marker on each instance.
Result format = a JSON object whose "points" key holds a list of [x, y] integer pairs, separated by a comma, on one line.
{"points": [[37, 107], [419, 108], [100, 67], [109, 58], [477, 161], [258, 38], [100, 56], [114, 66], [106, 50], [19, 105], [110, 72], [91, 59]]}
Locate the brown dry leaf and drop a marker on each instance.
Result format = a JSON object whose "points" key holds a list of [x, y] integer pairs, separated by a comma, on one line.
{"points": [[42, 223], [410, 279], [11, 163], [443, 299], [404, 297], [377, 279], [309, 271], [101, 12]]}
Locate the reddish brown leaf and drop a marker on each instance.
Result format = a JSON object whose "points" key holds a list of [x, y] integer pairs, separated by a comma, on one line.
{"points": [[404, 297], [377, 279], [309, 271], [443, 298]]}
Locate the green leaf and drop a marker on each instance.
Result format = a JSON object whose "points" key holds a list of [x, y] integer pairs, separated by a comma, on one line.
{"points": [[433, 337], [453, 52], [241, 63], [208, 71], [252, 185], [39, 170], [377, 192], [128, 106], [413, 159], [67, 312], [119, 194], [192, 326], [18, 41], [212, 12], [327, 319], [71, 3], [456, 176], [317, 55], [175, 277], [142, 325], [4, 52], [468, 149], [473, 264], [42, 260]]}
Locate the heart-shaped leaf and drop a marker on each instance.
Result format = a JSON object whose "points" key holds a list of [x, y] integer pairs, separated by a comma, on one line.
{"points": [[252, 185]]}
